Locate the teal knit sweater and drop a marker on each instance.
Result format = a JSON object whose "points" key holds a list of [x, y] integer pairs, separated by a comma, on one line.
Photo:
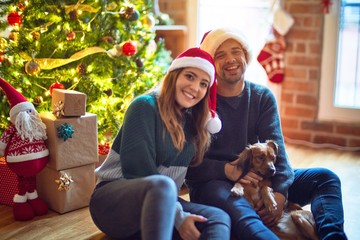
{"points": [[141, 148]]}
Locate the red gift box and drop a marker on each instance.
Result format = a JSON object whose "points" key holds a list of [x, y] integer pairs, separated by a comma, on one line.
{"points": [[8, 184]]}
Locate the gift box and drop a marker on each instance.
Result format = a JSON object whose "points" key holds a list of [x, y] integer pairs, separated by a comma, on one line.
{"points": [[72, 142], [8, 184], [68, 103], [66, 190]]}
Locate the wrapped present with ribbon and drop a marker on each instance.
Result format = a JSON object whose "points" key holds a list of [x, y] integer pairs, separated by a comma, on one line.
{"points": [[8, 184], [72, 141], [68, 103], [66, 190]]}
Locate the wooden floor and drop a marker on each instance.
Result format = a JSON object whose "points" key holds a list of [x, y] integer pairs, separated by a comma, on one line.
{"points": [[78, 224]]}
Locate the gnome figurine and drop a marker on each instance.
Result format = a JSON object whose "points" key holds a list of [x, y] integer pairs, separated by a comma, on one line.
{"points": [[25, 152]]}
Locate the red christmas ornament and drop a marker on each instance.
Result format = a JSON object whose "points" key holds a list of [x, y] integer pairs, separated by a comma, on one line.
{"points": [[14, 19], [70, 36], [103, 148], [2, 56], [56, 85], [129, 48]]}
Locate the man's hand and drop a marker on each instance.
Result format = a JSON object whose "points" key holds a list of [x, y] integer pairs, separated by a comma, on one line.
{"points": [[232, 170], [251, 178], [188, 230], [270, 219]]}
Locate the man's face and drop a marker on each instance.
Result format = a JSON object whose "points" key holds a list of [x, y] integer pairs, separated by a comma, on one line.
{"points": [[230, 61]]}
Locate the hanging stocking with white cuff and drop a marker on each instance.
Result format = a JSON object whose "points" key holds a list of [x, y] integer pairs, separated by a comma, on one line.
{"points": [[271, 57]]}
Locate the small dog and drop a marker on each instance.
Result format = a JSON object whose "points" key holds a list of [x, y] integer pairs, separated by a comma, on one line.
{"points": [[295, 223]]}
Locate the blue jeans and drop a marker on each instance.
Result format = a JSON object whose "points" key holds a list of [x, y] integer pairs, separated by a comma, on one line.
{"points": [[317, 186], [321, 188], [144, 208], [218, 222]]}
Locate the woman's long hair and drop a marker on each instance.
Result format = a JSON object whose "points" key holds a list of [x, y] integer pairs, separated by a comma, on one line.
{"points": [[173, 117]]}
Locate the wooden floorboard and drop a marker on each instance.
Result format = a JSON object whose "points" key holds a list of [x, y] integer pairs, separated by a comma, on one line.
{"points": [[78, 224]]}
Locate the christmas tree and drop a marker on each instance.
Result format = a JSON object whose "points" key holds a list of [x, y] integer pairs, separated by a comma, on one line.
{"points": [[103, 48]]}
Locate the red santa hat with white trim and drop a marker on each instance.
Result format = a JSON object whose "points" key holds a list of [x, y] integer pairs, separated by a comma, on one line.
{"points": [[18, 102], [212, 40], [195, 57]]}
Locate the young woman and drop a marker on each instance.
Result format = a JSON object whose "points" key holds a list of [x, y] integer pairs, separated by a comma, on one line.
{"points": [[163, 132]]}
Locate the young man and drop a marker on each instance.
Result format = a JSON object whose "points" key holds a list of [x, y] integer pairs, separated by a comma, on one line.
{"points": [[249, 114]]}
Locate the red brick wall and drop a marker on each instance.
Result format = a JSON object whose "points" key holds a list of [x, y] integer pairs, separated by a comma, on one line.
{"points": [[301, 86]]}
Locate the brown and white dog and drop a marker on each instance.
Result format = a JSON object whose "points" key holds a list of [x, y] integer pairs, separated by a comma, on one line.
{"points": [[260, 158]]}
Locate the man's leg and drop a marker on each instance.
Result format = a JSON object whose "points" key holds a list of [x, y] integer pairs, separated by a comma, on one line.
{"points": [[321, 188]]}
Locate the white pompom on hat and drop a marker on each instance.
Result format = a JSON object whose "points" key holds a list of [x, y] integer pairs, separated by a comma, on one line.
{"points": [[18, 102], [214, 38], [197, 58]]}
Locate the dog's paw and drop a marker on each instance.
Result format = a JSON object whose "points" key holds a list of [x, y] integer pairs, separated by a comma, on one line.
{"points": [[237, 190]]}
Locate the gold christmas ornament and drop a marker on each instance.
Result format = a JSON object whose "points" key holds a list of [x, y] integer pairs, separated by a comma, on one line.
{"points": [[32, 68], [14, 36], [35, 35], [81, 69], [3, 44], [148, 21]]}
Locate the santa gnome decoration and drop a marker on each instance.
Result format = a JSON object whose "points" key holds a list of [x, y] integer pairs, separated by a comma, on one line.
{"points": [[23, 146]]}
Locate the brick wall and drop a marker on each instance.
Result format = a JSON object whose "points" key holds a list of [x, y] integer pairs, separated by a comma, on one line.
{"points": [[300, 88]]}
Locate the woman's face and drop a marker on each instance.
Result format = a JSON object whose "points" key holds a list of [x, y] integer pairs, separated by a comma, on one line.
{"points": [[191, 86]]}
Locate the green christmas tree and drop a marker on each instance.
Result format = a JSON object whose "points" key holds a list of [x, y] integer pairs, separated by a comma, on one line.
{"points": [[103, 48]]}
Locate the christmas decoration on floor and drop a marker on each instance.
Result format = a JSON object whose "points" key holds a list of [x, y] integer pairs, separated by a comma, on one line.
{"points": [[271, 56], [104, 49], [68, 180], [25, 152]]}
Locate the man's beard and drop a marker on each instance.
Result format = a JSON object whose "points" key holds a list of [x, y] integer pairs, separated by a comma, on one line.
{"points": [[29, 125]]}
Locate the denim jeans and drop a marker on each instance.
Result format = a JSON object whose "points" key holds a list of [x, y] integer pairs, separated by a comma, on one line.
{"points": [[321, 188], [317, 186], [218, 222]]}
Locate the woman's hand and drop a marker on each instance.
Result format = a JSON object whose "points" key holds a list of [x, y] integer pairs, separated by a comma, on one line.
{"points": [[270, 219], [188, 230]]}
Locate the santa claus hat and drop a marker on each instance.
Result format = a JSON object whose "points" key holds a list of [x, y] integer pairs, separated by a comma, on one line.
{"points": [[197, 58], [18, 102], [214, 38]]}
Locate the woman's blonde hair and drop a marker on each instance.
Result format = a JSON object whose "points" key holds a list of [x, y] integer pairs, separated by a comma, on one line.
{"points": [[173, 117]]}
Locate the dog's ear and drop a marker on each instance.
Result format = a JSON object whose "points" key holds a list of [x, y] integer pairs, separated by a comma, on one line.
{"points": [[273, 145], [245, 160]]}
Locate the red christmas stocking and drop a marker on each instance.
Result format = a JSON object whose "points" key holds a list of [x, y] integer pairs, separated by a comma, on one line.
{"points": [[271, 57]]}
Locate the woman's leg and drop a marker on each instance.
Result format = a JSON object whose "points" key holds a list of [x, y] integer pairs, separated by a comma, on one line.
{"points": [[246, 224], [321, 188], [218, 224], [122, 208]]}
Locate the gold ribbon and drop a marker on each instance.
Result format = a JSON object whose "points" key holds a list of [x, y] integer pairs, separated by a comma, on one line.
{"points": [[64, 182], [51, 63], [81, 7]]}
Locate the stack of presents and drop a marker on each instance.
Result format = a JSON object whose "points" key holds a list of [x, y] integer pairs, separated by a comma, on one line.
{"points": [[68, 180]]}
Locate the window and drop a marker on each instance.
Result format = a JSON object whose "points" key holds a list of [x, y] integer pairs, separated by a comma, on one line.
{"points": [[340, 73]]}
